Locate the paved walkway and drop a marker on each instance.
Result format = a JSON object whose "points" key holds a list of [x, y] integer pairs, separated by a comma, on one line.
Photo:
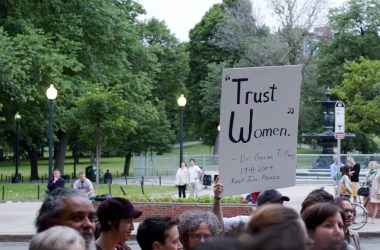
{"points": [[17, 218]]}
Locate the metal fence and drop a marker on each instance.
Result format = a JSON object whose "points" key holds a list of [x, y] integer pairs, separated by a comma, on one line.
{"points": [[167, 165]]}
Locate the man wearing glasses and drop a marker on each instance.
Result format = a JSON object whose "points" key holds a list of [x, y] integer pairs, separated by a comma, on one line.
{"points": [[350, 235]]}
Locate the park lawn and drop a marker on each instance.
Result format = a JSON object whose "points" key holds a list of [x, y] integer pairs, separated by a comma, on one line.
{"points": [[114, 164], [36, 191]]}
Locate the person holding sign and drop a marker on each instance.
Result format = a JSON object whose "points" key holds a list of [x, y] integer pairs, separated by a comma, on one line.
{"points": [[195, 175], [271, 196]]}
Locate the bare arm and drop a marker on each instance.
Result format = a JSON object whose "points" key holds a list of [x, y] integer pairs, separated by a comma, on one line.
{"points": [[217, 205]]}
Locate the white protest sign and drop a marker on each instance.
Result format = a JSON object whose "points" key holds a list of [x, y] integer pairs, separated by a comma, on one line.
{"points": [[258, 131]]}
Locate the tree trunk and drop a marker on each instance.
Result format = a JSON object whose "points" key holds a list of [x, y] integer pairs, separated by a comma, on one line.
{"points": [[60, 155], [127, 163], [215, 154], [33, 158], [92, 157]]}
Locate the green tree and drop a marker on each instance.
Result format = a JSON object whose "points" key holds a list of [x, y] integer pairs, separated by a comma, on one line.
{"points": [[32, 61], [101, 111], [360, 92], [354, 27]]}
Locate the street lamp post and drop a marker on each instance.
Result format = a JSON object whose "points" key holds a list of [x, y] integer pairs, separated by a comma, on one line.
{"points": [[16, 178], [181, 103], [51, 94]]}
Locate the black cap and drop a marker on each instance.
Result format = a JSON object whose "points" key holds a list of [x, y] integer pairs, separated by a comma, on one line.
{"points": [[270, 195], [117, 207]]}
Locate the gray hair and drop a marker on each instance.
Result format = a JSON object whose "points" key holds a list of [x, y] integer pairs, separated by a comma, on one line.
{"points": [[56, 238], [52, 206], [189, 222]]}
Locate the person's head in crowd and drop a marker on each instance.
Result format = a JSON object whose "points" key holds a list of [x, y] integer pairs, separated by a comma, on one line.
{"points": [[272, 196], [57, 173], [67, 207], [372, 165], [219, 243], [182, 164], [197, 226], [57, 238], [273, 240], [82, 176], [159, 233], [345, 204], [274, 219], [115, 216], [345, 170], [324, 223], [316, 196]]}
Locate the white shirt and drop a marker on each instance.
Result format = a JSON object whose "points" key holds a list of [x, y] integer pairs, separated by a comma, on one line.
{"points": [[193, 173], [230, 223], [84, 187]]}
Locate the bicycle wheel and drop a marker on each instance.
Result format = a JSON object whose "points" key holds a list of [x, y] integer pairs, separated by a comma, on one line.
{"points": [[360, 216]]}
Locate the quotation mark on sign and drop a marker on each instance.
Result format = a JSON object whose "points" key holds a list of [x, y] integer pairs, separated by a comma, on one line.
{"points": [[227, 77], [291, 111]]}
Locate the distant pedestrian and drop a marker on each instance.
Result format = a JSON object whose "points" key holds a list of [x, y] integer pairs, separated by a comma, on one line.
{"points": [[85, 186], [182, 179], [345, 183], [108, 177], [375, 194], [55, 181], [334, 171], [195, 174], [58, 238], [354, 173]]}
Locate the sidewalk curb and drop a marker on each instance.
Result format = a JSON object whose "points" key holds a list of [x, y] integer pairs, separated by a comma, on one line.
{"points": [[16, 237], [369, 234]]}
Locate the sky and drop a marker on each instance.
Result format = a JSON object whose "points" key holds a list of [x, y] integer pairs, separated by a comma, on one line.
{"points": [[182, 15]]}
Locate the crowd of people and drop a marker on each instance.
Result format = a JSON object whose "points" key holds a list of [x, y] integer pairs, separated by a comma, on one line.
{"points": [[349, 183], [67, 220]]}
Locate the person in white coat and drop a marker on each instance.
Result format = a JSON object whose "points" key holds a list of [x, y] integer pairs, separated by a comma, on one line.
{"points": [[182, 179]]}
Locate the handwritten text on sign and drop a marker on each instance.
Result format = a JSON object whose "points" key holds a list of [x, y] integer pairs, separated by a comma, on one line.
{"points": [[259, 120]]}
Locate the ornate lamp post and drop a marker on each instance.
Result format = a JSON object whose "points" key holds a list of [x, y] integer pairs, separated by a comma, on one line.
{"points": [[181, 103], [16, 178], [51, 94]]}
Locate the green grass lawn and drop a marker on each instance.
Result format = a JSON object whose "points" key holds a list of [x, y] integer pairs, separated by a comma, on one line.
{"points": [[36, 191]]}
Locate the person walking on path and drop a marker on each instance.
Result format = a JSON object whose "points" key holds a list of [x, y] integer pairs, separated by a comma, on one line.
{"points": [[85, 186], [334, 170], [182, 179], [56, 181], [195, 175], [375, 194], [354, 172]]}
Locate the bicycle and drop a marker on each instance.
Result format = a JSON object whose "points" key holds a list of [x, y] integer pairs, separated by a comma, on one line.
{"points": [[360, 215]]}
